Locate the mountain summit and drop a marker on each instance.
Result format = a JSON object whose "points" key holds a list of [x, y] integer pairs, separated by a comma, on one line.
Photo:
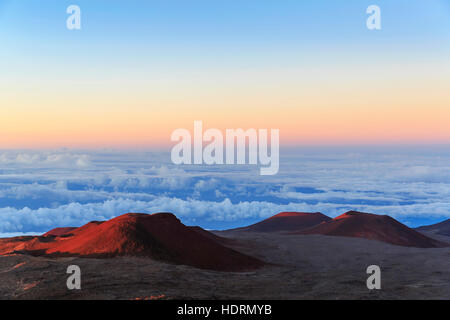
{"points": [[374, 227], [288, 221], [159, 236]]}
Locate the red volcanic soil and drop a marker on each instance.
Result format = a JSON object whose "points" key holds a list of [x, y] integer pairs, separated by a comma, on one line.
{"points": [[374, 227], [58, 232], [288, 221], [442, 228], [160, 236], [211, 235]]}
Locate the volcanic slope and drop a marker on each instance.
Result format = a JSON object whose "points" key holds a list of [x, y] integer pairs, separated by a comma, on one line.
{"points": [[288, 221], [374, 227], [160, 236], [442, 228]]}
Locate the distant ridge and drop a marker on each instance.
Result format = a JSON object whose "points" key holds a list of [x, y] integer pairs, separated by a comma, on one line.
{"points": [[288, 221], [160, 236], [441, 228], [374, 227]]}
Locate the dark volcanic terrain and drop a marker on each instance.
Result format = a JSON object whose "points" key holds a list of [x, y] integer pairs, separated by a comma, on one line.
{"points": [[138, 257], [442, 228], [303, 267]]}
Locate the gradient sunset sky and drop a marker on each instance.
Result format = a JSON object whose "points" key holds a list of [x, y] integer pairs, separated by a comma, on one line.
{"points": [[140, 69]]}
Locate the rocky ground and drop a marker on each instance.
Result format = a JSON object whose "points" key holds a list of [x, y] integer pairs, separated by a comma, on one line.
{"points": [[299, 267]]}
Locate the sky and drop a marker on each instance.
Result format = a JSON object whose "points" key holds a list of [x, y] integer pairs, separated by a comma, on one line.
{"points": [[137, 70], [86, 115]]}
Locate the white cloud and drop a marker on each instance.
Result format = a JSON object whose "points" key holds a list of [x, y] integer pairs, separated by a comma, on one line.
{"points": [[65, 188], [45, 159], [75, 214]]}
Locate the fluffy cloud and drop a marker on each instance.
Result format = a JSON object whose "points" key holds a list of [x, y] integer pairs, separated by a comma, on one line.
{"points": [[39, 159], [75, 214], [41, 190]]}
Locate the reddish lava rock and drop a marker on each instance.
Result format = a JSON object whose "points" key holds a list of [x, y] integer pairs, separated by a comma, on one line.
{"points": [[160, 236], [57, 232], [374, 227], [288, 221]]}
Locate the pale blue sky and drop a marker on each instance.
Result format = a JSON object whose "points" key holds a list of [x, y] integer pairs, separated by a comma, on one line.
{"points": [[181, 32]]}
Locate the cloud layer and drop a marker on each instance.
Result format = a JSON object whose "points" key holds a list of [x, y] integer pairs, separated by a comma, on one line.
{"points": [[42, 190]]}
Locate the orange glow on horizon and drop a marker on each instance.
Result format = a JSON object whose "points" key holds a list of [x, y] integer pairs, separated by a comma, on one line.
{"points": [[397, 105]]}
